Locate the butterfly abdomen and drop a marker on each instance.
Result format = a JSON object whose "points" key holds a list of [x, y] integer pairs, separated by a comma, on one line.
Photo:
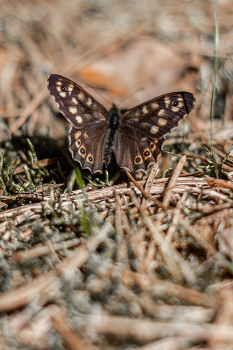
{"points": [[114, 119]]}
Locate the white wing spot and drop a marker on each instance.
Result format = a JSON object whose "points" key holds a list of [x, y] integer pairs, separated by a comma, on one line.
{"points": [[167, 101], [75, 101], [62, 94], [161, 122], [59, 83], [175, 109], [73, 110], [154, 129], [181, 103], [58, 88], [77, 134], [89, 102], [161, 112], [81, 96], [79, 119], [70, 88], [144, 110], [154, 105]]}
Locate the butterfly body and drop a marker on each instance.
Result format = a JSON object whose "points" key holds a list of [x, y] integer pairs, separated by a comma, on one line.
{"points": [[135, 137], [114, 117]]}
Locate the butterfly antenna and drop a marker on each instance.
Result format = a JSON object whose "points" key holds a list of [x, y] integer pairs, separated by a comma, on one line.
{"points": [[96, 89], [110, 102], [129, 96]]}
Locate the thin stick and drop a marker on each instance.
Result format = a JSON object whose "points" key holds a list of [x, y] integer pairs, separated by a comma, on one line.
{"points": [[211, 250], [145, 194], [149, 182], [172, 183], [215, 75]]}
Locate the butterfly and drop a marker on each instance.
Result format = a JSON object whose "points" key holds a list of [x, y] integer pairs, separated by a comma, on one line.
{"points": [[135, 137]]}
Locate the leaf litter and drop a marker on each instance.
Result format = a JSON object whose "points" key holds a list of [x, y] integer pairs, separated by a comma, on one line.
{"points": [[144, 264]]}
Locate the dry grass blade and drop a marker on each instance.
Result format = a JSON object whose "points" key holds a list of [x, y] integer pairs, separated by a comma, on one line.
{"points": [[38, 99], [70, 340], [121, 253], [43, 250], [172, 182], [219, 183], [210, 249], [164, 246], [145, 194], [25, 295], [145, 331], [149, 181], [170, 343], [151, 177]]}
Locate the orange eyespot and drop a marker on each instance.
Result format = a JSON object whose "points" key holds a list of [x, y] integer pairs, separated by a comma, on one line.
{"points": [[82, 151], [152, 146], [138, 160], [90, 159]]}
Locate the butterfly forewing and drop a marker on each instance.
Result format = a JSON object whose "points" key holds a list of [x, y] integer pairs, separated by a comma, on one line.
{"points": [[77, 106], [160, 115]]}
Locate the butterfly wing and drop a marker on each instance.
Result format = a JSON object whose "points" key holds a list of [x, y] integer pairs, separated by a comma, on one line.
{"points": [[88, 119], [77, 106], [141, 134], [87, 146]]}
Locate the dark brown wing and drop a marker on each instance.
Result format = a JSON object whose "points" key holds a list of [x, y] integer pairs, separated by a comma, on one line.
{"points": [[77, 106], [141, 134], [87, 146], [88, 117]]}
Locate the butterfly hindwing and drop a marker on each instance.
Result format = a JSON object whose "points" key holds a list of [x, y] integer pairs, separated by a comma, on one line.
{"points": [[136, 154], [87, 146]]}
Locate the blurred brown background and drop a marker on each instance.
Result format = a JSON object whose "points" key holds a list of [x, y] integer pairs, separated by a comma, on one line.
{"points": [[121, 51]]}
